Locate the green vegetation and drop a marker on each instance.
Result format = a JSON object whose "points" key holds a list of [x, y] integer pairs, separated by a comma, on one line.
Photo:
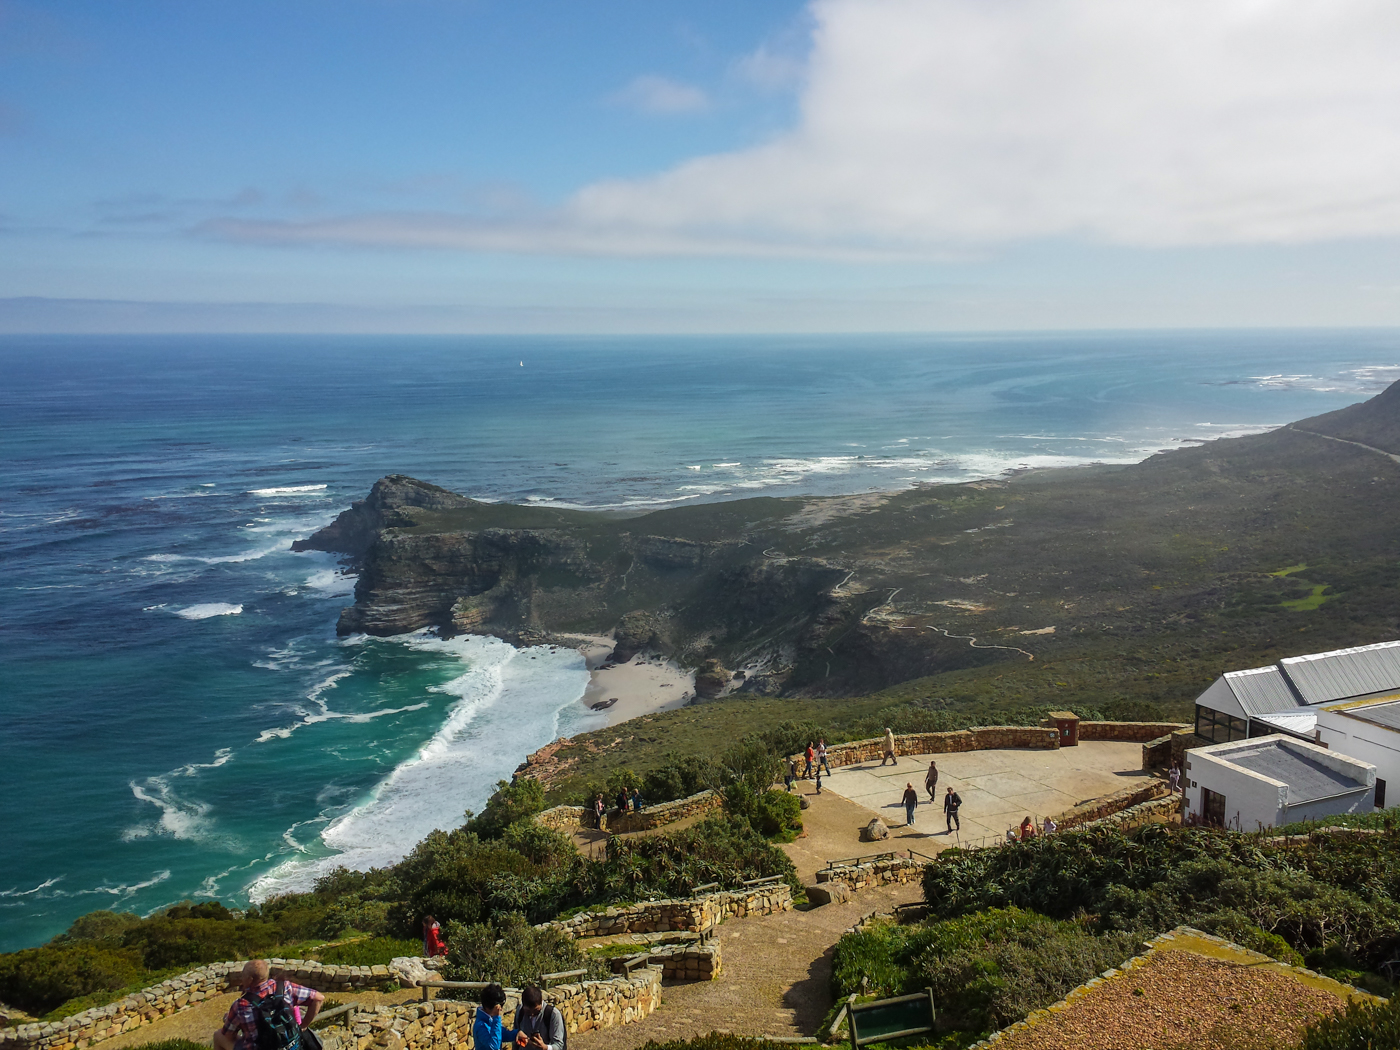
{"points": [[1332, 902], [1362, 1026], [171, 1044], [1307, 604], [986, 970], [513, 953], [370, 951]]}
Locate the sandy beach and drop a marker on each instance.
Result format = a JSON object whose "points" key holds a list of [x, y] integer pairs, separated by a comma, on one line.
{"points": [[641, 685]]}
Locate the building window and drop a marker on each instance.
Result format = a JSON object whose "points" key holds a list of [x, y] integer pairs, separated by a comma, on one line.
{"points": [[1380, 793], [1212, 808], [1218, 727]]}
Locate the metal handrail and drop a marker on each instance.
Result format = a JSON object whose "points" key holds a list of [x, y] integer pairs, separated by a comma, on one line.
{"points": [[546, 978], [847, 861], [471, 985], [759, 882], [705, 887], [335, 1012]]}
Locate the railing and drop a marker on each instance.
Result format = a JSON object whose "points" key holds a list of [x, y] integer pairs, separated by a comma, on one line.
{"points": [[763, 881], [852, 861], [705, 888], [546, 979]]}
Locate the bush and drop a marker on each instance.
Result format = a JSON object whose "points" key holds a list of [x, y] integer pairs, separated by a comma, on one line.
{"points": [[512, 802], [38, 980], [449, 876], [774, 814], [680, 776], [986, 970], [1362, 1026], [99, 926], [373, 951], [513, 952], [164, 941]]}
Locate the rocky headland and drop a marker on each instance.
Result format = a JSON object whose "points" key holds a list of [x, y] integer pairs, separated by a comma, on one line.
{"points": [[829, 597]]}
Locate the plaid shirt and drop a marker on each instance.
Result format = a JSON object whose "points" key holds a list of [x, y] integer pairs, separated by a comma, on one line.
{"points": [[243, 1019]]}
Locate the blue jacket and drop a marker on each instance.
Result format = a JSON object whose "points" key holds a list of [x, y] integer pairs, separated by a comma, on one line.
{"points": [[488, 1032]]}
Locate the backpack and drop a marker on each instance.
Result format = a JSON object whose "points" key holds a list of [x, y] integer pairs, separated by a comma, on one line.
{"points": [[564, 1045], [277, 1020]]}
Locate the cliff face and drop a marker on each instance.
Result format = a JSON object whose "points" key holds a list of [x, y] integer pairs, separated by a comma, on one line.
{"points": [[389, 505]]}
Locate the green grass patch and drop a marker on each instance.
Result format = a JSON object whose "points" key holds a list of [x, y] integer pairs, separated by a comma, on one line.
{"points": [[1290, 570], [1311, 602], [373, 951]]}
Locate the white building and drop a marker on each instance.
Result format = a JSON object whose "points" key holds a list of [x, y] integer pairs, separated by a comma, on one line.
{"points": [[1270, 781], [1365, 729]]}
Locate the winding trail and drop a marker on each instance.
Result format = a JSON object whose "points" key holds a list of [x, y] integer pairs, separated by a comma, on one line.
{"points": [[1369, 448], [971, 640]]}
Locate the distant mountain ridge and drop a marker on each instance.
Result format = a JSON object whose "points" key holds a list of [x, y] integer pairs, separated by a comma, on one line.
{"points": [[1375, 422]]}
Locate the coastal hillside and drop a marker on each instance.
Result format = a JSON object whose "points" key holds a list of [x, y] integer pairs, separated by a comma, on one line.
{"points": [[1139, 581]]}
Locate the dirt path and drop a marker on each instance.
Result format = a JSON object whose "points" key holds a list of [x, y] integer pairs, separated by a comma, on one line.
{"points": [[777, 968]]}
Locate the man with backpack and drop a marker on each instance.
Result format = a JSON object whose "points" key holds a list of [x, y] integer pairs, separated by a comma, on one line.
{"points": [[540, 1022], [269, 1015]]}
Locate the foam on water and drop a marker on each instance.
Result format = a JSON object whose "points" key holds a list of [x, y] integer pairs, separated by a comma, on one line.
{"points": [[509, 701], [288, 490], [205, 610]]}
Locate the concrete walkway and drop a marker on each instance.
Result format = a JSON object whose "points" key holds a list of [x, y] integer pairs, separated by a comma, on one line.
{"points": [[998, 788]]}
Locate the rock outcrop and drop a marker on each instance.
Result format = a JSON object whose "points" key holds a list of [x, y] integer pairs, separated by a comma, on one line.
{"points": [[387, 506]]}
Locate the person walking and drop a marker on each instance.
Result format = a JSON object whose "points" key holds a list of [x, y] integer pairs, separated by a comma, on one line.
{"points": [[821, 756], [432, 938], [541, 1023], [911, 800], [1174, 778], [889, 747], [811, 756], [488, 1033], [931, 781], [600, 809], [952, 802], [790, 777], [284, 1008]]}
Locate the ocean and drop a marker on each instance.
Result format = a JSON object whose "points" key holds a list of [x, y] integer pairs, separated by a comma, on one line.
{"points": [[180, 719]]}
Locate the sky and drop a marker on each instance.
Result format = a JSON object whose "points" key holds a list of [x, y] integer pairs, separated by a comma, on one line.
{"points": [[726, 166]]}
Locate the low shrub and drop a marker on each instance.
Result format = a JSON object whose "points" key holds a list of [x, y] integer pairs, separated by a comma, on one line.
{"points": [[512, 952], [38, 980], [1362, 1026], [986, 970], [373, 951], [513, 801]]}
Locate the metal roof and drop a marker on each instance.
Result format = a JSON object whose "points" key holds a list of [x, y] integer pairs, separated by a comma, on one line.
{"points": [[1323, 677], [1308, 780], [1384, 712], [1300, 722], [1262, 690]]}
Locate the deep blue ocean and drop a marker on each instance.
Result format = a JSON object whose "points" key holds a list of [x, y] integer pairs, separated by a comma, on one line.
{"points": [[179, 718]]}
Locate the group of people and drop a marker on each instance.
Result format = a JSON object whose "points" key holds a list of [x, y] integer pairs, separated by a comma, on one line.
{"points": [[626, 802], [1027, 830], [816, 762], [952, 801], [277, 1015]]}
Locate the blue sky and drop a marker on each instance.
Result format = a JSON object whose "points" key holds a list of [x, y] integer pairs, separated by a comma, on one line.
{"points": [[841, 165]]}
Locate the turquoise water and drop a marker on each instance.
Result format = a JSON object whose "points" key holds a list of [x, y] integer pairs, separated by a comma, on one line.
{"points": [[180, 719]]}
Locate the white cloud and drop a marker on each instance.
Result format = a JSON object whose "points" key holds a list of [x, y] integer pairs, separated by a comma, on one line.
{"points": [[653, 94], [931, 127]]}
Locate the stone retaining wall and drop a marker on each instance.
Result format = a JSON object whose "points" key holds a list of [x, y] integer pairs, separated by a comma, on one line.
{"points": [[681, 962], [570, 818], [1157, 753], [979, 738], [695, 914], [1131, 732], [875, 873], [445, 1023], [177, 994], [1155, 809], [1106, 805]]}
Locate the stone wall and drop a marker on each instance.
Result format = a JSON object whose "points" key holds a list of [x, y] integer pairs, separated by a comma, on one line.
{"points": [[1165, 808], [691, 961], [695, 914], [874, 873], [570, 818], [444, 1024], [1157, 753], [1131, 732], [1116, 802], [979, 738]]}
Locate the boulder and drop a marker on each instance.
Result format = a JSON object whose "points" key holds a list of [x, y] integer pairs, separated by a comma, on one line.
{"points": [[711, 679], [820, 893], [875, 831]]}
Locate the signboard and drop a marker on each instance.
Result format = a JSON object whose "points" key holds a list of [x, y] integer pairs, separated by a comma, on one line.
{"points": [[885, 1019]]}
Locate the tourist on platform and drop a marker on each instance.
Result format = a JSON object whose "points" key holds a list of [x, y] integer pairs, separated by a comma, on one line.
{"points": [[622, 800], [296, 1008], [931, 781], [636, 800], [1027, 829], [599, 810], [488, 1033], [911, 800], [952, 802], [790, 777], [811, 760], [1174, 777], [889, 747], [821, 756], [540, 1023], [1050, 826]]}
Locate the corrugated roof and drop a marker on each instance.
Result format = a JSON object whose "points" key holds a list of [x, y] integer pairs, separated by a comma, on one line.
{"points": [[1383, 712], [1301, 722], [1262, 690], [1307, 779], [1323, 677]]}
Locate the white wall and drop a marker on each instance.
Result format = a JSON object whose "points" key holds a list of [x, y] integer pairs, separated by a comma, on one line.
{"points": [[1370, 743], [1251, 800]]}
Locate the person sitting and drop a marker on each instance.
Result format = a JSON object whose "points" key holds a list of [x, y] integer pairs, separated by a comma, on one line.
{"points": [[1027, 829], [488, 1033], [432, 938], [296, 1009], [541, 1023]]}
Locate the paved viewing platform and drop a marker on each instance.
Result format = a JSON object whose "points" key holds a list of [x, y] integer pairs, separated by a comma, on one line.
{"points": [[998, 787]]}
